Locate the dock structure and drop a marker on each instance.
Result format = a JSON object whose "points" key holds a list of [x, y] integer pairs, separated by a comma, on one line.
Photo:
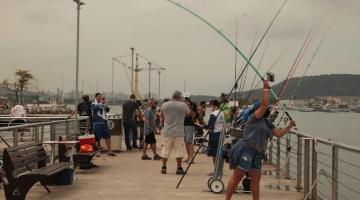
{"points": [[126, 176], [313, 167]]}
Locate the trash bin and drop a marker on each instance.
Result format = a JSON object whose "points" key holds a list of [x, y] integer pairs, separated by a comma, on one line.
{"points": [[115, 126]]}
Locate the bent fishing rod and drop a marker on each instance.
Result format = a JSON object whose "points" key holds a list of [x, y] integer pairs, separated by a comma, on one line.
{"points": [[237, 50]]}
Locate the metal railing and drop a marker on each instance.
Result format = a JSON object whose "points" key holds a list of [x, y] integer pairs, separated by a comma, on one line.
{"points": [[37, 131], [322, 169]]}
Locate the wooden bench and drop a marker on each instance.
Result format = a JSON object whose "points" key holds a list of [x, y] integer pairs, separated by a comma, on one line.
{"points": [[83, 160], [25, 165]]}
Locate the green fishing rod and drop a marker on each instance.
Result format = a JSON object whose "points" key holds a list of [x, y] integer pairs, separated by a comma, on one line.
{"points": [[237, 50]]}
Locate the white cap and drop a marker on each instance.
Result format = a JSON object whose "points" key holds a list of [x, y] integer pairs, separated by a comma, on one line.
{"points": [[187, 94]]}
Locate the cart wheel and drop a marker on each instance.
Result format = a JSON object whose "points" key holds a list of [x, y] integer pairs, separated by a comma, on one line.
{"points": [[216, 186], [209, 181]]}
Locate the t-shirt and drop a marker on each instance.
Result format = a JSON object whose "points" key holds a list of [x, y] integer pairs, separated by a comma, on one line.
{"points": [[150, 120], [189, 121], [226, 109], [128, 109], [257, 132], [174, 114], [84, 108], [216, 121]]}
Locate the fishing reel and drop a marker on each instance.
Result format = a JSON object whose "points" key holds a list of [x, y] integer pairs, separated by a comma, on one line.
{"points": [[270, 76]]}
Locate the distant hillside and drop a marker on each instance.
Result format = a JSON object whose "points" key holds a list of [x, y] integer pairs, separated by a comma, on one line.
{"points": [[322, 85]]}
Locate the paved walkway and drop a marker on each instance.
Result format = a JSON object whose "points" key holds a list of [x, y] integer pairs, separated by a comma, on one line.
{"points": [[126, 176]]}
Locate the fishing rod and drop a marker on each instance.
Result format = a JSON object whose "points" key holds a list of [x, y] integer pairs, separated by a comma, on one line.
{"points": [[297, 64], [245, 69], [309, 64], [261, 59], [252, 90], [237, 50]]}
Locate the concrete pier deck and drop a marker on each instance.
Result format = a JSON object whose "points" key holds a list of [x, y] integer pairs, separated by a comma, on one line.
{"points": [[126, 176]]}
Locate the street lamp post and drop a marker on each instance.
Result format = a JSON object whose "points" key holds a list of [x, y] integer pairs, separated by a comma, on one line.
{"points": [[132, 70], [112, 80], [159, 72], [149, 79], [79, 4]]}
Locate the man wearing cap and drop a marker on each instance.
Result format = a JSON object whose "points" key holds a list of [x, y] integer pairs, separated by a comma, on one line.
{"points": [[189, 127], [149, 130]]}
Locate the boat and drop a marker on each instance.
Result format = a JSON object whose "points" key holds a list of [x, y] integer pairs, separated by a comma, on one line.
{"points": [[307, 109]]}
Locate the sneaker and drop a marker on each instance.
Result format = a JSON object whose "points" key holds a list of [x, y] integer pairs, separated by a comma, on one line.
{"points": [[180, 171], [189, 162], [111, 154], [163, 170], [145, 157], [157, 157]]}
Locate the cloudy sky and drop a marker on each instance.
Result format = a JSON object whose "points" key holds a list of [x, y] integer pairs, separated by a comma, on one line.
{"points": [[39, 35]]}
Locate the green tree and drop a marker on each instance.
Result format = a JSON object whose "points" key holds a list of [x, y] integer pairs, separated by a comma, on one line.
{"points": [[20, 84]]}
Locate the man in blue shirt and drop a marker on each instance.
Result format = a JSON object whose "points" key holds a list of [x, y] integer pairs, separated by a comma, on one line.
{"points": [[149, 130]]}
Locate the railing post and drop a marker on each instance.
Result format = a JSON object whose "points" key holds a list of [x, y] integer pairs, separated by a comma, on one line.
{"points": [[306, 166], [278, 169], [42, 133], [287, 164], [15, 137], [271, 152], [52, 132], [334, 172], [67, 128], [314, 169], [36, 133], [298, 163]]}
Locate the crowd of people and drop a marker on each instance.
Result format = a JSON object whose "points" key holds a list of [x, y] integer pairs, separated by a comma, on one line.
{"points": [[178, 120]]}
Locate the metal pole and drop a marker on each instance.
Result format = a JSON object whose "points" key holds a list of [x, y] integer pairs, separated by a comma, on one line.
{"points": [[306, 167], [82, 87], [298, 164], [132, 70], [278, 152], [287, 164], [335, 172], [149, 79], [314, 169], [112, 80], [79, 4], [159, 84]]}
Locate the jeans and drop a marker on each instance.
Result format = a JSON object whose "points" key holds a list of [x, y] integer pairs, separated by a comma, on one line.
{"points": [[130, 127]]}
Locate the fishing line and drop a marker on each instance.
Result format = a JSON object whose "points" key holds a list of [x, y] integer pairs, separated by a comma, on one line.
{"points": [[237, 50], [310, 62], [252, 90]]}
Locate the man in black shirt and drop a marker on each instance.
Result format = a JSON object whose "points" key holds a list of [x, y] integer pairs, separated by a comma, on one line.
{"points": [[129, 111], [189, 125], [84, 109]]}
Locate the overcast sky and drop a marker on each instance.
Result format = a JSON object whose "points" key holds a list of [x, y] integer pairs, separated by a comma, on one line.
{"points": [[39, 35]]}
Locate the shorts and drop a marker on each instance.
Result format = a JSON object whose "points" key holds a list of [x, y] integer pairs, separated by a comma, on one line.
{"points": [[213, 143], [150, 138], [176, 143], [245, 157], [189, 134], [101, 131]]}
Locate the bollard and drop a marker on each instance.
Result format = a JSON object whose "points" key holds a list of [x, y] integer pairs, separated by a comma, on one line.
{"points": [[306, 167], [334, 172], [298, 164]]}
